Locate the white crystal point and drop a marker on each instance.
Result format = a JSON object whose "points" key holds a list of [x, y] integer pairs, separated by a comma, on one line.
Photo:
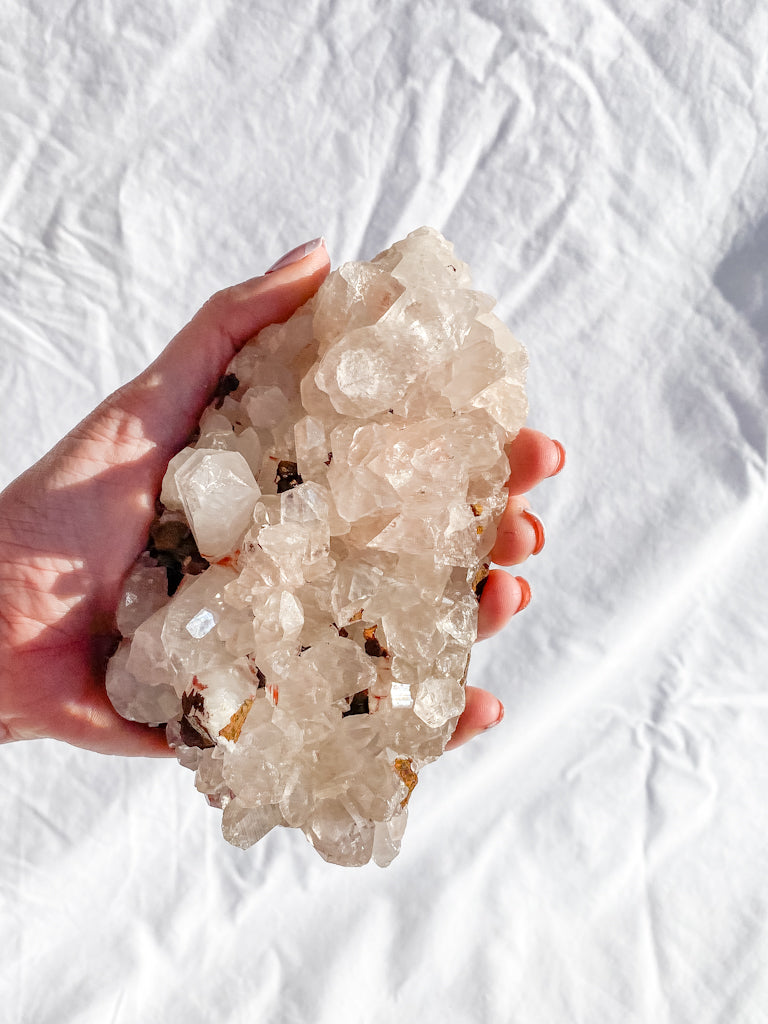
{"points": [[243, 826], [339, 836], [145, 590], [133, 699], [347, 481], [169, 492], [438, 701], [218, 492]]}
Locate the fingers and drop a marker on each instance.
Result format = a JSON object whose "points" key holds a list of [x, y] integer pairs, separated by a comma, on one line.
{"points": [[503, 596], [521, 533], [169, 396], [532, 458], [482, 712]]}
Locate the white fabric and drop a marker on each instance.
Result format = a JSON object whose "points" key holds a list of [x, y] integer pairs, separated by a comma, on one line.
{"points": [[601, 164]]}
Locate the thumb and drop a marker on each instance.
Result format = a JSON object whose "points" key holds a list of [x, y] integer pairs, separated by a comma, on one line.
{"points": [[168, 398]]}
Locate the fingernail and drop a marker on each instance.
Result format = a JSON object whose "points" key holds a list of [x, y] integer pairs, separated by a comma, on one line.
{"points": [[297, 254], [498, 719], [560, 459], [525, 586], [538, 529]]}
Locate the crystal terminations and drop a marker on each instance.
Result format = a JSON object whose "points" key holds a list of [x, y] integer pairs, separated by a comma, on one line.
{"points": [[323, 539]]}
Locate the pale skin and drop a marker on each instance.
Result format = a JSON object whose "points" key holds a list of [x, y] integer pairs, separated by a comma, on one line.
{"points": [[72, 526]]}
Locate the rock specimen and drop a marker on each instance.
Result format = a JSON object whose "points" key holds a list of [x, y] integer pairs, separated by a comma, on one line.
{"points": [[303, 615]]}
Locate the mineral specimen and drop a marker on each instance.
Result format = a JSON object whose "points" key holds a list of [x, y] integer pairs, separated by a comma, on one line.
{"points": [[303, 615]]}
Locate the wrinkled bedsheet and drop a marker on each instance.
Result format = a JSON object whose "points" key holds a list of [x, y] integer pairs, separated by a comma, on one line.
{"points": [[601, 857]]}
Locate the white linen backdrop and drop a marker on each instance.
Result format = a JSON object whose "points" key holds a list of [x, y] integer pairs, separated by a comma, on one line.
{"points": [[601, 165]]}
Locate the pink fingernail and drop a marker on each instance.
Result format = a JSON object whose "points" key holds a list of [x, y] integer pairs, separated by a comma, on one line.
{"points": [[538, 529], [560, 457], [297, 254], [525, 587], [499, 718]]}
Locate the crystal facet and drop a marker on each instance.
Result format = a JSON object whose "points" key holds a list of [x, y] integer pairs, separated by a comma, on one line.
{"points": [[303, 615]]}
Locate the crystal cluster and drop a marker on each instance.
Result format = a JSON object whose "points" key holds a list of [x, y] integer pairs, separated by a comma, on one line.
{"points": [[303, 615]]}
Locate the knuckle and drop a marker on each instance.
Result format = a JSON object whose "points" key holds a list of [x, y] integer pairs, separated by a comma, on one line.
{"points": [[217, 303]]}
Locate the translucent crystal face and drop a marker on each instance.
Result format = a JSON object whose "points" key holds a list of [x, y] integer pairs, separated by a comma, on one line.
{"points": [[321, 543]]}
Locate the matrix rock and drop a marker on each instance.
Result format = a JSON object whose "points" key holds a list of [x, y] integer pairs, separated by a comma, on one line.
{"points": [[303, 615]]}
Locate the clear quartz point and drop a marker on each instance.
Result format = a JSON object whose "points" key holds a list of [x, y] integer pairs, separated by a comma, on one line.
{"points": [[303, 615]]}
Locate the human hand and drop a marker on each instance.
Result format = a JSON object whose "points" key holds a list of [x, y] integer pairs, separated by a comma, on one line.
{"points": [[72, 526], [532, 457], [62, 561]]}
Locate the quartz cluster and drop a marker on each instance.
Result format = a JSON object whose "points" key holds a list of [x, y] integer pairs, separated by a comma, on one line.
{"points": [[303, 614]]}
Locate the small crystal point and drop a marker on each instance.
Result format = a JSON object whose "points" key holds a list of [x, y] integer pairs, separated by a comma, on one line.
{"points": [[308, 641], [218, 493]]}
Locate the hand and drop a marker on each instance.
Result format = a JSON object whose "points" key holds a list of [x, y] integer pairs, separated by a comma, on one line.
{"points": [[72, 526], [532, 457]]}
